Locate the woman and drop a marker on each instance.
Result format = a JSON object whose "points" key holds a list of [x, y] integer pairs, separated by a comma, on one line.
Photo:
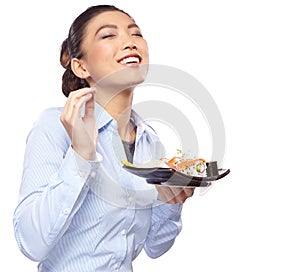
{"points": [[79, 210]]}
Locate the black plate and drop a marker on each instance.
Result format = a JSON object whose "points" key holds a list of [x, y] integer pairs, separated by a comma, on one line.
{"points": [[170, 177]]}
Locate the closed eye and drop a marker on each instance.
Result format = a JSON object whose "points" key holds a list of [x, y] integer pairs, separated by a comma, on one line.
{"points": [[105, 36], [138, 35]]}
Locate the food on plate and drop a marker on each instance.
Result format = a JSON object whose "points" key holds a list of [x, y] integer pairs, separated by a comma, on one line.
{"points": [[189, 166], [180, 162], [149, 164]]}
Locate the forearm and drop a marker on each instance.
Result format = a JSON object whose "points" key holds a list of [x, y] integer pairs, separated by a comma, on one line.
{"points": [[42, 216], [166, 225]]}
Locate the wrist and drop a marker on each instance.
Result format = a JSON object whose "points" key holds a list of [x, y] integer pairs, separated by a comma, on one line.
{"points": [[88, 156]]}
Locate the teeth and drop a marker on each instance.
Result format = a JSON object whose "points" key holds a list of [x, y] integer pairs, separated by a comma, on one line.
{"points": [[130, 60]]}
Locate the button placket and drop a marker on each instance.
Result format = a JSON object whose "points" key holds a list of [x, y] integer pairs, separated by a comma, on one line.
{"points": [[93, 174]]}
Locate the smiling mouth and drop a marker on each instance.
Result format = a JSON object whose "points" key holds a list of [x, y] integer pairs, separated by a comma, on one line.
{"points": [[130, 60]]}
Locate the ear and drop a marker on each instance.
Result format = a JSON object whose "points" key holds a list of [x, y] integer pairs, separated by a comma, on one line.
{"points": [[79, 69]]}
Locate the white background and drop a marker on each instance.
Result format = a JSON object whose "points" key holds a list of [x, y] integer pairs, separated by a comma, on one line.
{"points": [[246, 53]]}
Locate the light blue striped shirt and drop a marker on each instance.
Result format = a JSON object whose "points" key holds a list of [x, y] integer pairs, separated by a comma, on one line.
{"points": [[76, 215]]}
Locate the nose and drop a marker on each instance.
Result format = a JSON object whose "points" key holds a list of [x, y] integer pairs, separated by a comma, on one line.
{"points": [[130, 45], [128, 42]]}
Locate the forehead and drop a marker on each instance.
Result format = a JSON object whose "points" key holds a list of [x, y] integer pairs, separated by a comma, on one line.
{"points": [[110, 18]]}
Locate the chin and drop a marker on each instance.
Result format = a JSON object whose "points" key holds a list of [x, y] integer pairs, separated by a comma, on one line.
{"points": [[127, 77], [134, 76]]}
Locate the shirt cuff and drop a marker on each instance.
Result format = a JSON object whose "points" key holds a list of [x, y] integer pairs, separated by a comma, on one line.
{"points": [[165, 210], [76, 167]]}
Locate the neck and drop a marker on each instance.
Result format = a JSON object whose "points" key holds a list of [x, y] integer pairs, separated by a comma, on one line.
{"points": [[119, 107]]}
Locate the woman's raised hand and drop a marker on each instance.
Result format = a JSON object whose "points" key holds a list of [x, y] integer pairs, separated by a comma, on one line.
{"points": [[81, 126]]}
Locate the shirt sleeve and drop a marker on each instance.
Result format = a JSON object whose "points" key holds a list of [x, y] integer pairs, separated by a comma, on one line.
{"points": [[166, 225], [54, 184]]}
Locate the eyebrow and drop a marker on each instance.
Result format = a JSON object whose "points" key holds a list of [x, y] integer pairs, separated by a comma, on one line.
{"points": [[115, 27]]}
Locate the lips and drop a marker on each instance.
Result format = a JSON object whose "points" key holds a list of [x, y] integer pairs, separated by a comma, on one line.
{"points": [[130, 59]]}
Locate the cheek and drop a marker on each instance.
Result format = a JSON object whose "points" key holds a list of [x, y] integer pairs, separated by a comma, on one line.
{"points": [[99, 60], [101, 53], [146, 52]]}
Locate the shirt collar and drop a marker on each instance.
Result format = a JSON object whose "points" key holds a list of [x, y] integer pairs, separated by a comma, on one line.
{"points": [[143, 126], [103, 118]]}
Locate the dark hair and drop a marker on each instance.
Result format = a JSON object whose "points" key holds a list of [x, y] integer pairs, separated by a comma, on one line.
{"points": [[71, 47]]}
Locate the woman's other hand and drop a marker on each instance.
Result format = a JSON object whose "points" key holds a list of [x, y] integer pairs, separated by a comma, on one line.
{"points": [[82, 130], [173, 195]]}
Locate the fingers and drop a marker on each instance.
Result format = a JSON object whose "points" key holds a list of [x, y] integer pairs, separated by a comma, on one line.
{"points": [[189, 191], [173, 195], [182, 194], [90, 103], [74, 103]]}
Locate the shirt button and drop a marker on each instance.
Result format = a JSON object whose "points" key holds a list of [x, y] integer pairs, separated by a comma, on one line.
{"points": [[66, 211], [93, 175], [117, 265], [123, 232], [130, 199]]}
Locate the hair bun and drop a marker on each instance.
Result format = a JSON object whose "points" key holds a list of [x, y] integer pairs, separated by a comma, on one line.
{"points": [[64, 55]]}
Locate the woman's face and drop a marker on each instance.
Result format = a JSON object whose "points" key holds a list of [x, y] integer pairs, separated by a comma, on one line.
{"points": [[113, 45]]}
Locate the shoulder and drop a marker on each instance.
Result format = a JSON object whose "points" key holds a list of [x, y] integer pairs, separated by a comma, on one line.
{"points": [[52, 113], [48, 123], [49, 117]]}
